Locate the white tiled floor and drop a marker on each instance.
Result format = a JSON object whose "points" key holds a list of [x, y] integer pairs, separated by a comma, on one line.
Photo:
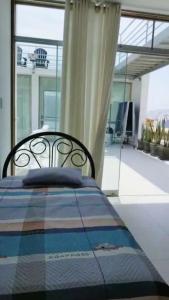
{"points": [[136, 172], [143, 203], [149, 224], [142, 174]]}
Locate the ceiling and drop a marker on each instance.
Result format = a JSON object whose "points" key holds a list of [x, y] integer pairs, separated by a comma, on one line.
{"points": [[152, 6]]}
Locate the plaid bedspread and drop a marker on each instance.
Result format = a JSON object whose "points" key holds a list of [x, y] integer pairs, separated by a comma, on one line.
{"points": [[70, 244]]}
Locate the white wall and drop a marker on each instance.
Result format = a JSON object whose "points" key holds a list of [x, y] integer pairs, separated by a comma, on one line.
{"points": [[158, 96], [5, 64]]}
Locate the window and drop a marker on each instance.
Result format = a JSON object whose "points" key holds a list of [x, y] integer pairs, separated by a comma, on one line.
{"points": [[39, 22], [38, 68]]}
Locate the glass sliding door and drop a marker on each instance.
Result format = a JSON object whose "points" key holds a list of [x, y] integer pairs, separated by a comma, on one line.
{"points": [[38, 70], [38, 66], [121, 92]]}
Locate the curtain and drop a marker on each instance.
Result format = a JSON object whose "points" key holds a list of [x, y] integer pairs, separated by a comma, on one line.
{"points": [[90, 42]]}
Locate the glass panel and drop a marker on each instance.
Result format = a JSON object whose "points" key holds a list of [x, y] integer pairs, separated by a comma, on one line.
{"points": [[141, 169], [121, 92], [161, 35], [39, 22], [139, 32], [50, 104], [23, 106], [50, 110]]}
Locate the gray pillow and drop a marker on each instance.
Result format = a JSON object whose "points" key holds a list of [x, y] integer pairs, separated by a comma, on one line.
{"points": [[53, 176]]}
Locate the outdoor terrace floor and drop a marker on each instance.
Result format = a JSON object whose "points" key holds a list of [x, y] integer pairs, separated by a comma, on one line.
{"points": [[143, 202], [140, 173]]}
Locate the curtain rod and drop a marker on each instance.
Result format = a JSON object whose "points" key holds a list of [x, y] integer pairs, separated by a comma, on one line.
{"points": [[55, 3], [144, 15]]}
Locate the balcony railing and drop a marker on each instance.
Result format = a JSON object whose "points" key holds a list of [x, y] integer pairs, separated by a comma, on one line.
{"points": [[141, 33], [35, 56]]}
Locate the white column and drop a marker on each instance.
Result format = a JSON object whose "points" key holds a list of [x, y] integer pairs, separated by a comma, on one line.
{"points": [[5, 77]]}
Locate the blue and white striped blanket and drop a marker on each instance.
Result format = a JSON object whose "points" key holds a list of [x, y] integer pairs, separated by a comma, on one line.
{"points": [[69, 244]]}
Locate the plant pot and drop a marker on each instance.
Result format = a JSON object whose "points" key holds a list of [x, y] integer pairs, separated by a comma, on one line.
{"points": [[146, 147], [163, 152], [154, 149], [140, 145]]}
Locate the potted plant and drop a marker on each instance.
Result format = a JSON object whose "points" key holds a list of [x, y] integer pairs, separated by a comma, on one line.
{"points": [[140, 145], [157, 134], [163, 149], [147, 139]]}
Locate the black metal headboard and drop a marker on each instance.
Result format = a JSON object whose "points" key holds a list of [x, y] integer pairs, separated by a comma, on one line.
{"points": [[48, 148]]}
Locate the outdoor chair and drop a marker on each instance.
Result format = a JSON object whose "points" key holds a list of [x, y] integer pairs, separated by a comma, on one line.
{"points": [[41, 58]]}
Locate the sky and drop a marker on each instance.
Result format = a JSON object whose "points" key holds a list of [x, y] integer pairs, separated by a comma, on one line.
{"points": [[48, 23], [39, 22]]}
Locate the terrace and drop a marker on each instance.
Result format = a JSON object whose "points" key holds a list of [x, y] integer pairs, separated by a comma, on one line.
{"points": [[140, 173]]}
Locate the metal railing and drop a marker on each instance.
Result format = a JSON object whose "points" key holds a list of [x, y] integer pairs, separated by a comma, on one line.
{"points": [[29, 59], [139, 33]]}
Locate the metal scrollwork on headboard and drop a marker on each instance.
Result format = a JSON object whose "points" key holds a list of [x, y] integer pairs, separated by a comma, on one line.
{"points": [[48, 148]]}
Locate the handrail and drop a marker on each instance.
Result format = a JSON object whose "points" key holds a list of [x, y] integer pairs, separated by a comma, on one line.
{"points": [[136, 28], [130, 37], [127, 26], [141, 34]]}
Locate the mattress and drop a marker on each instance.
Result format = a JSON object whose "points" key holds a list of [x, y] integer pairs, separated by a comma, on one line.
{"points": [[69, 243]]}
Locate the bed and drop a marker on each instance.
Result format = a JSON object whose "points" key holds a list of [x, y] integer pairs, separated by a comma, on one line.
{"points": [[63, 241]]}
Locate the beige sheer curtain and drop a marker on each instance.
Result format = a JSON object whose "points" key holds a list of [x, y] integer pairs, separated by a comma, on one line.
{"points": [[90, 42]]}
